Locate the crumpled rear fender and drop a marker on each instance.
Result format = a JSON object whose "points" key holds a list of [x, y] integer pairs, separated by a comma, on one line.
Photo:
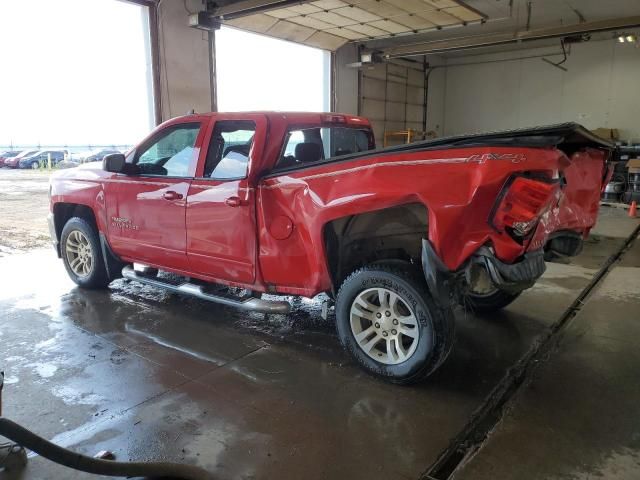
{"points": [[458, 186]]}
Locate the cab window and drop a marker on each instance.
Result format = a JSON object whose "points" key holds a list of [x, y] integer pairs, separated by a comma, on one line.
{"points": [[229, 148], [308, 145], [169, 154]]}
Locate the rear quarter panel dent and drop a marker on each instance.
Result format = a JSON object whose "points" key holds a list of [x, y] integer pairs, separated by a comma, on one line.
{"points": [[459, 187]]}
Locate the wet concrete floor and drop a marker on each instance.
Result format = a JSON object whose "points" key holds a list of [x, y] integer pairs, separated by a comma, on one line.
{"points": [[153, 376], [579, 418]]}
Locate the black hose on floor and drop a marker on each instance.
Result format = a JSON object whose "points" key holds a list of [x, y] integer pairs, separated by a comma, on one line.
{"points": [[76, 461]]}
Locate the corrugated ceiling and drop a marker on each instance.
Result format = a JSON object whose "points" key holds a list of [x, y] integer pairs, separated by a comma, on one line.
{"points": [[329, 24]]}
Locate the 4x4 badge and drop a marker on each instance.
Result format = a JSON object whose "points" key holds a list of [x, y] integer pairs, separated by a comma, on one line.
{"points": [[511, 157]]}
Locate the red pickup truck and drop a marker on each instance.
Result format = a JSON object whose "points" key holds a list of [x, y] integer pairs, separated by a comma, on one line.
{"points": [[303, 204]]}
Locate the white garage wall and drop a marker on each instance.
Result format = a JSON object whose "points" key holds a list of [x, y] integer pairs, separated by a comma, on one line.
{"points": [[600, 89]]}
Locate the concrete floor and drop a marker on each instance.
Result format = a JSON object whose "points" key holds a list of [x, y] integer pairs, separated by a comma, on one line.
{"points": [[579, 417], [153, 376]]}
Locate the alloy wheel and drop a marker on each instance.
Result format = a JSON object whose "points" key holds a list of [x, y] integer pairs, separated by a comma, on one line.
{"points": [[384, 325], [79, 253]]}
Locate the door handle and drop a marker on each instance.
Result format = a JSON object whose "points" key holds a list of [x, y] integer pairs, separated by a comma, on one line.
{"points": [[171, 195], [233, 201]]}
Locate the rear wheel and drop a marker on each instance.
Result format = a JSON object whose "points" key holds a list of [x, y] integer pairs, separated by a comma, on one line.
{"points": [[388, 321], [82, 255], [490, 301]]}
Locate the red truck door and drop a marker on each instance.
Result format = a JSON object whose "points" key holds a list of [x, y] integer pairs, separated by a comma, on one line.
{"points": [[221, 222], [146, 209]]}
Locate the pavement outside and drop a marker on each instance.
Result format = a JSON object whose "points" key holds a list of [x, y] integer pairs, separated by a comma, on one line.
{"points": [[153, 376], [24, 204]]}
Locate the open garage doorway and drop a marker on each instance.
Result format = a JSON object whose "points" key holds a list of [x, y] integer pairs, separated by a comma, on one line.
{"points": [[80, 83], [255, 72], [76, 84]]}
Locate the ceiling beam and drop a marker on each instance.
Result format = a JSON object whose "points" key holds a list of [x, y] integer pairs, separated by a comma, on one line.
{"points": [[248, 7], [495, 39]]}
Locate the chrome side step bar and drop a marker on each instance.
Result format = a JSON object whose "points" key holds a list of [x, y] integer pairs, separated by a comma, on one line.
{"points": [[251, 303]]}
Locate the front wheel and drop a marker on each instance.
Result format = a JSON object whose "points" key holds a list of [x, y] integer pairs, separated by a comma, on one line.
{"points": [[35, 166], [388, 321], [82, 255]]}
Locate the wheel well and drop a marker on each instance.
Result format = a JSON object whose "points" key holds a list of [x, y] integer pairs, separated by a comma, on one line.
{"points": [[62, 212], [393, 233]]}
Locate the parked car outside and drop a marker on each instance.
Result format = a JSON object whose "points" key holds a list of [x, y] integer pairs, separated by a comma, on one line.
{"points": [[99, 155], [7, 154], [13, 162], [80, 156], [68, 163], [41, 158]]}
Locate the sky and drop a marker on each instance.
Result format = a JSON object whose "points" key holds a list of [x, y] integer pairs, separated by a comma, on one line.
{"points": [[255, 72], [73, 72]]}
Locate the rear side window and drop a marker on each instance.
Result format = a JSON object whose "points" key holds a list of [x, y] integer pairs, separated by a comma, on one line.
{"points": [[170, 153], [308, 145], [229, 148]]}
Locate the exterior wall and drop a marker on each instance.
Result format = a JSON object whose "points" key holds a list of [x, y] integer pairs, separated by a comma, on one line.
{"points": [[184, 61], [598, 90]]}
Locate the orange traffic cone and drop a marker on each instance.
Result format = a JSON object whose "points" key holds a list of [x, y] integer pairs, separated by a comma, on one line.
{"points": [[632, 209]]}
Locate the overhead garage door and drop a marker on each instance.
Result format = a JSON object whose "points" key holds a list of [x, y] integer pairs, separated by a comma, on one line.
{"points": [[392, 98]]}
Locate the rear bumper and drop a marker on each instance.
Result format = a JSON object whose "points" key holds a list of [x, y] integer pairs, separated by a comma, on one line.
{"points": [[513, 277], [446, 285]]}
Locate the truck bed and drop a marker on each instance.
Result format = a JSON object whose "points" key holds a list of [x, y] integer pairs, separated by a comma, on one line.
{"points": [[568, 137]]}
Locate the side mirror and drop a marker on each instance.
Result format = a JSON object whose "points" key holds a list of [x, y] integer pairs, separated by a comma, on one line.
{"points": [[114, 163]]}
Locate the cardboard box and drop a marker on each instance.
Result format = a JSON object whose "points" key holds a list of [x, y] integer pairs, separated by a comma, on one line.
{"points": [[607, 133], [634, 165]]}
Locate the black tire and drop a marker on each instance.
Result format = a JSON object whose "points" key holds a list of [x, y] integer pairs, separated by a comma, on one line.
{"points": [[97, 277], [435, 324], [490, 303]]}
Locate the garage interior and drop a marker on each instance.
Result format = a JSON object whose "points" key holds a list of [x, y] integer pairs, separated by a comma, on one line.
{"points": [[547, 388]]}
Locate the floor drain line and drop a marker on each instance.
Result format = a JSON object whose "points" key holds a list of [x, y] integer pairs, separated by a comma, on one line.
{"points": [[483, 421]]}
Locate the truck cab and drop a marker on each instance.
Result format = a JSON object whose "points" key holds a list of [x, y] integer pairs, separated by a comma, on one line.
{"points": [[185, 198]]}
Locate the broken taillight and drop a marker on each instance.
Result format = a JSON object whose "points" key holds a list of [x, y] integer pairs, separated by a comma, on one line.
{"points": [[523, 201]]}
